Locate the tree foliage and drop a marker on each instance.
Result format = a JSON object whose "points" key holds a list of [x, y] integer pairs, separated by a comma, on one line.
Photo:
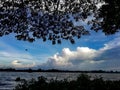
{"points": [[55, 19], [107, 18]]}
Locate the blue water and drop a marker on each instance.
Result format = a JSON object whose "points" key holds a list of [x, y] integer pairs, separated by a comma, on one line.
{"points": [[7, 79]]}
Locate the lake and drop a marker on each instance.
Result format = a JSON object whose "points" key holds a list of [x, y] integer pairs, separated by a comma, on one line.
{"points": [[7, 79]]}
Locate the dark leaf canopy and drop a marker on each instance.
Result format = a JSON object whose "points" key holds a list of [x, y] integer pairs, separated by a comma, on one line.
{"points": [[107, 17], [54, 20]]}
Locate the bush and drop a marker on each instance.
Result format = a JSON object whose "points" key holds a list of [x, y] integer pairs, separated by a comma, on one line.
{"points": [[83, 82]]}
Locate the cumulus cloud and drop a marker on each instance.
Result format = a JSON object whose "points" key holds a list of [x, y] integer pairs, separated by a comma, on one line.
{"points": [[16, 59], [82, 57], [16, 62], [22, 64], [67, 56], [85, 58]]}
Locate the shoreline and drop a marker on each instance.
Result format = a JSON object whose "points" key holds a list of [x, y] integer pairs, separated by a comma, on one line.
{"points": [[32, 71]]}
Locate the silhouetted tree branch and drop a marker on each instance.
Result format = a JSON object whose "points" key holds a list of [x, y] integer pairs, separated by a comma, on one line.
{"points": [[107, 17], [54, 19]]}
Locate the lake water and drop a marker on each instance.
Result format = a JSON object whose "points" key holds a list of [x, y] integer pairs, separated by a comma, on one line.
{"points": [[7, 79]]}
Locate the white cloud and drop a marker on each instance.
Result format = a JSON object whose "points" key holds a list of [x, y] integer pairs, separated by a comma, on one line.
{"points": [[10, 56], [16, 62], [112, 44], [22, 64], [17, 59], [82, 58], [67, 56], [85, 58]]}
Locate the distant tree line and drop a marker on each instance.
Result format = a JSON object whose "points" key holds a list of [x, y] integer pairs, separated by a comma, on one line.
{"points": [[57, 70]]}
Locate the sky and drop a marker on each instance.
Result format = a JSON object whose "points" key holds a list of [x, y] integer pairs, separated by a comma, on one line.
{"points": [[92, 52]]}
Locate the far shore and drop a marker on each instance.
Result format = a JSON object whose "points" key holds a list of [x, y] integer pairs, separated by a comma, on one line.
{"points": [[56, 70]]}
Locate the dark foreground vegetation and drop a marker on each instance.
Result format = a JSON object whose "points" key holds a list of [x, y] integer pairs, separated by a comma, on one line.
{"points": [[83, 82]]}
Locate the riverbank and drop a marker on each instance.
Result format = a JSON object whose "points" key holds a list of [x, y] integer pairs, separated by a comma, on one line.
{"points": [[56, 70]]}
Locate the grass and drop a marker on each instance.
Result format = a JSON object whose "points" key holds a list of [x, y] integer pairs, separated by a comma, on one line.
{"points": [[83, 82]]}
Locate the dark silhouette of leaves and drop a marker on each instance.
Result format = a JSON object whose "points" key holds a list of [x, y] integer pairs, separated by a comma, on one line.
{"points": [[107, 17], [54, 19]]}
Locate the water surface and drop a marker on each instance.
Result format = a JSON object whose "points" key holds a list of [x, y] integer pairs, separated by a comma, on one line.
{"points": [[7, 79]]}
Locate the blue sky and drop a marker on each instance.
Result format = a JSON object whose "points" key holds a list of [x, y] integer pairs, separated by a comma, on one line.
{"points": [[92, 52]]}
